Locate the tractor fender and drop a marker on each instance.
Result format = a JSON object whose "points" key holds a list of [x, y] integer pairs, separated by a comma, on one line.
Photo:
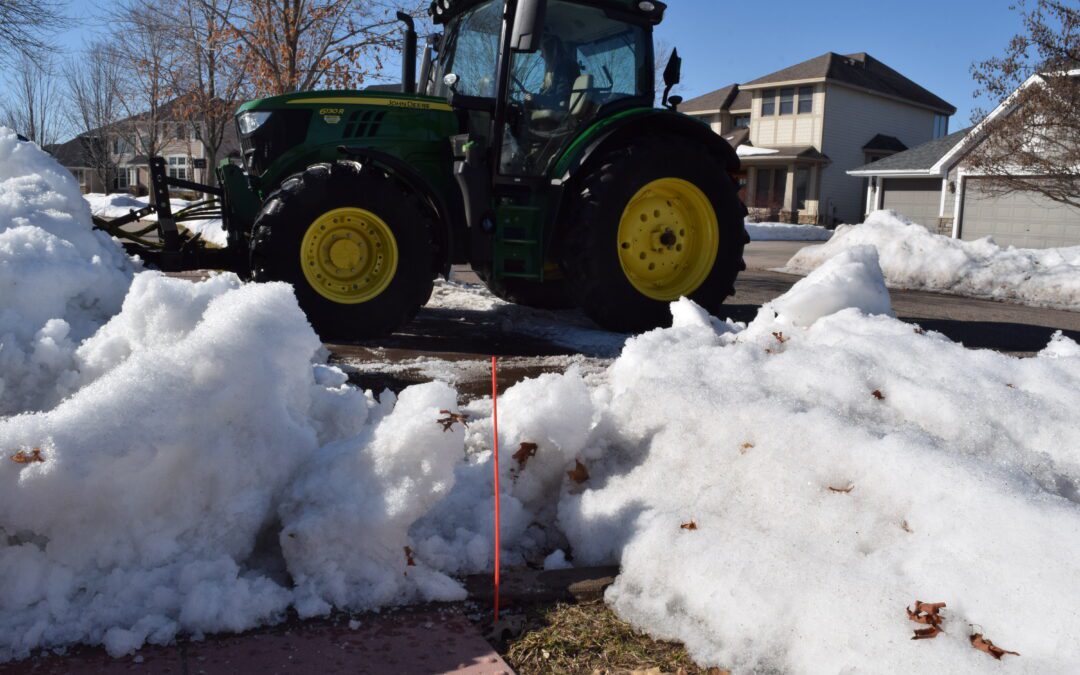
{"points": [[621, 129], [444, 214]]}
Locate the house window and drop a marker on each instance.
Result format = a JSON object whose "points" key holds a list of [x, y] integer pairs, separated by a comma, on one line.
{"points": [[770, 187], [80, 175], [741, 121], [178, 167], [941, 126], [779, 186], [806, 100], [768, 102], [122, 179], [761, 190], [787, 98]]}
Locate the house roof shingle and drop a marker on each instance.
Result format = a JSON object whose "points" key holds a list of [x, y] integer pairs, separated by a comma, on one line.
{"points": [[881, 142], [858, 70], [72, 154], [918, 159], [714, 100]]}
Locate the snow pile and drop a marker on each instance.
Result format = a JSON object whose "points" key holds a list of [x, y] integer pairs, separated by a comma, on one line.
{"points": [[786, 232], [59, 279], [913, 257], [830, 465], [118, 204], [201, 428]]}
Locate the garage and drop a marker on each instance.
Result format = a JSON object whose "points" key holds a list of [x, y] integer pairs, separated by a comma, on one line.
{"points": [[919, 199], [1024, 220]]}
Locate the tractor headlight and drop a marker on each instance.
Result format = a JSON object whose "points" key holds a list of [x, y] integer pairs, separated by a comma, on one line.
{"points": [[250, 121]]}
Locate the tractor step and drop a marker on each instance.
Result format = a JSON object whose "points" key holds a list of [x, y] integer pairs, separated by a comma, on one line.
{"points": [[519, 242]]}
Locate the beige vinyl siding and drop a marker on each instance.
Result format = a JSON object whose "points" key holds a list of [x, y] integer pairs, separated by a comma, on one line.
{"points": [[774, 130], [852, 118]]}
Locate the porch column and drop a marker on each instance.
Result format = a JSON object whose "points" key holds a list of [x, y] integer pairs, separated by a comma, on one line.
{"points": [[789, 189], [751, 185]]}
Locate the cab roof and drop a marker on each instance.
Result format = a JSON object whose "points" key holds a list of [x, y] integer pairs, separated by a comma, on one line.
{"points": [[443, 10]]}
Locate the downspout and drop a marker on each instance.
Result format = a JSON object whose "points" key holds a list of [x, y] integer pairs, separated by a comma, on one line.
{"points": [[958, 207]]}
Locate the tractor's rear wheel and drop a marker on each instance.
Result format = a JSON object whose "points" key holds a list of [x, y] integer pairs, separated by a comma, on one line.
{"points": [[354, 243], [654, 221]]}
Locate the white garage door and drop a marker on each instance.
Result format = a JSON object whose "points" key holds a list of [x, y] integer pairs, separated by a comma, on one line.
{"points": [[1024, 220], [919, 199]]}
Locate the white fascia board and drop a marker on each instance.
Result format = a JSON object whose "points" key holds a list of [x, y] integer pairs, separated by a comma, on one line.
{"points": [[896, 173], [967, 141]]}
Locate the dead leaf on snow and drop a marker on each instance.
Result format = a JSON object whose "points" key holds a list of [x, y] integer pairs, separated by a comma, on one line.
{"points": [[919, 330], [579, 474], [744, 447], [409, 562], [928, 614], [843, 490], [907, 528], [451, 419], [780, 337], [523, 454], [688, 526], [984, 645], [1011, 386], [927, 633], [32, 457], [878, 395]]}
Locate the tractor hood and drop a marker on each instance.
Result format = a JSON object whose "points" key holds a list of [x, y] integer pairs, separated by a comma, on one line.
{"points": [[309, 99]]}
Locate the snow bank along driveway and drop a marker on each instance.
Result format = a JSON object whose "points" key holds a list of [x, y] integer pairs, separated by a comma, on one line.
{"points": [[776, 493], [912, 257], [786, 232]]}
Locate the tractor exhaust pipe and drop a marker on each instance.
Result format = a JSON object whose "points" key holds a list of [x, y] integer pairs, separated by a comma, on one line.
{"points": [[408, 56]]}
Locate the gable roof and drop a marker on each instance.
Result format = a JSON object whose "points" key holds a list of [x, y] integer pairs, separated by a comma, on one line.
{"points": [[857, 70], [881, 142], [72, 154], [918, 160], [711, 102]]}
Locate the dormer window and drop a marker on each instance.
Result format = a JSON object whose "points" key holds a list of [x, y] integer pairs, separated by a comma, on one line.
{"points": [[768, 102]]}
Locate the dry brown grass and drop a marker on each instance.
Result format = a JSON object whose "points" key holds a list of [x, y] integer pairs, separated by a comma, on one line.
{"points": [[588, 638]]}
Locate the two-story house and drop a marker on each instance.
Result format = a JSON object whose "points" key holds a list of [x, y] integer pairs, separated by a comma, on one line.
{"points": [[799, 130], [127, 142]]}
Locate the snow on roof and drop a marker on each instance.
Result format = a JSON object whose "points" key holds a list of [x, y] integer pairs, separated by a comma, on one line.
{"points": [[751, 151]]}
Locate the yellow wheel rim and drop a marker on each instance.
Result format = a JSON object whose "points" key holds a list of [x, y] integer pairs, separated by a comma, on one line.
{"points": [[349, 255], [669, 236]]}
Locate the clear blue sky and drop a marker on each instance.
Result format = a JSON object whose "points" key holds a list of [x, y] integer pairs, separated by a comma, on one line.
{"points": [[934, 42]]}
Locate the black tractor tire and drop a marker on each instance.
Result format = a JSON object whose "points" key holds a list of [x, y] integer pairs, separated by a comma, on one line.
{"points": [[551, 294], [590, 257], [300, 200]]}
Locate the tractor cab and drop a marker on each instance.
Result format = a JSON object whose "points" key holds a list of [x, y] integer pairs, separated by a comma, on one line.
{"points": [[543, 71]]}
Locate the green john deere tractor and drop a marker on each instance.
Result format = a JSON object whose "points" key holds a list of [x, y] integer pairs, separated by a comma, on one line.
{"points": [[528, 147]]}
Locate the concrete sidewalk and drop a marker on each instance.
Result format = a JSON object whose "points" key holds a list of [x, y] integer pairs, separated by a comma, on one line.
{"points": [[406, 643]]}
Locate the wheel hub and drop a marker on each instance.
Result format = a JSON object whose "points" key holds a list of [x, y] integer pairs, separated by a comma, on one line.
{"points": [[668, 239], [349, 255]]}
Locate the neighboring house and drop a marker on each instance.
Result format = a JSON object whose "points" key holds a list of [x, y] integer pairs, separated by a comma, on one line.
{"points": [[179, 142], [933, 185], [800, 129], [75, 157]]}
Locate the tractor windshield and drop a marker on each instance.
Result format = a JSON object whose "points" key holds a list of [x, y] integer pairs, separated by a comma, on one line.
{"points": [[587, 60], [471, 51]]}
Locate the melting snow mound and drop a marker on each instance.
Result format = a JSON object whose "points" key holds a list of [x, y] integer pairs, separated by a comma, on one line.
{"points": [[913, 257]]}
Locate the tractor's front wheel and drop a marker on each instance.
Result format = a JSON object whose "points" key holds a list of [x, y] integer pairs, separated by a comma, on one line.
{"points": [[353, 243], [655, 221]]}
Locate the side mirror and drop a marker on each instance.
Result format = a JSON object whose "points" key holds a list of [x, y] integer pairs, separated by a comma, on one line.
{"points": [[528, 25], [672, 77]]}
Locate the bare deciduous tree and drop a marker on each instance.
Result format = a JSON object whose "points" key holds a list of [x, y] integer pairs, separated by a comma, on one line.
{"points": [[30, 108], [296, 45], [210, 72], [1034, 144], [23, 24], [92, 81]]}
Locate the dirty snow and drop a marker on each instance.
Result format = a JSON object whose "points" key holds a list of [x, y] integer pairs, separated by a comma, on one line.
{"points": [[838, 465], [912, 257], [786, 232], [119, 204]]}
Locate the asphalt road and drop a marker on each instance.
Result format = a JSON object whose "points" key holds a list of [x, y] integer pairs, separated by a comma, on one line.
{"points": [[465, 336]]}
